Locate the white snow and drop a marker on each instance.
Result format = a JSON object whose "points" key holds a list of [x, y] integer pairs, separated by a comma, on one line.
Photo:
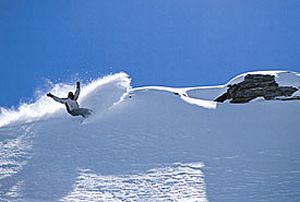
{"points": [[177, 182], [182, 93], [240, 77], [151, 143]]}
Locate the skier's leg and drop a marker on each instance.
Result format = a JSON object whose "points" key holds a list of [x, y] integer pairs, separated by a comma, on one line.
{"points": [[84, 112], [75, 112]]}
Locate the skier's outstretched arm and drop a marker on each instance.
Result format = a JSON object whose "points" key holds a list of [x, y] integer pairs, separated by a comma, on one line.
{"points": [[57, 99], [77, 92]]}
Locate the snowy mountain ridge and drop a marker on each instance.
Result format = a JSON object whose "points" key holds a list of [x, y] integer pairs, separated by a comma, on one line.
{"points": [[152, 143], [44, 106]]}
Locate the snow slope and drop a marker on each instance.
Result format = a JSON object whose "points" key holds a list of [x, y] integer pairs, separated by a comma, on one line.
{"points": [[151, 144]]}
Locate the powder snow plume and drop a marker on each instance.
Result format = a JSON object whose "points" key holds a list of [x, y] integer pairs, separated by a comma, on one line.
{"points": [[43, 107]]}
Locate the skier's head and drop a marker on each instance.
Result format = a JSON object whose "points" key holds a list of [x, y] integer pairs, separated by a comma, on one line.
{"points": [[71, 95]]}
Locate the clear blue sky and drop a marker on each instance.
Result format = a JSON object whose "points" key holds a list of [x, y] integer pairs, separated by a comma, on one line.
{"points": [[158, 42]]}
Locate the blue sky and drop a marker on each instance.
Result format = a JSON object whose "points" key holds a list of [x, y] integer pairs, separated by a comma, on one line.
{"points": [[157, 42]]}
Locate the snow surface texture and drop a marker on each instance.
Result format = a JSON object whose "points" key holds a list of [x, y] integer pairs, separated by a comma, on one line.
{"points": [[180, 182], [152, 144]]}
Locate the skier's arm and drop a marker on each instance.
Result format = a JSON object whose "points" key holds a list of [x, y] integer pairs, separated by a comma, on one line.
{"points": [[57, 99], [77, 92]]}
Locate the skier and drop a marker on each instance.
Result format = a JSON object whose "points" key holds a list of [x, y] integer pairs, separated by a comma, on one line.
{"points": [[72, 104]]}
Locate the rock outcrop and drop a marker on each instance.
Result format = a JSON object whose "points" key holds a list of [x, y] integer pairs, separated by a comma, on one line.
{"points": [[253, 86]]}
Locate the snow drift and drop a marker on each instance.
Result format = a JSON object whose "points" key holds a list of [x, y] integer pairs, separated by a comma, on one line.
{"points": [[152, 143]]}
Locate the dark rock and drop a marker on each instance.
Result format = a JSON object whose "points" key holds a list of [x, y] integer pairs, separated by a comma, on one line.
{"points": [[289, 98], [222, 98], [253, 86]]}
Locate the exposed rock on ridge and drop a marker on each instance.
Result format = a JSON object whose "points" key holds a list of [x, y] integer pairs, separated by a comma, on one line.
{"points": [[256, 85]]}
